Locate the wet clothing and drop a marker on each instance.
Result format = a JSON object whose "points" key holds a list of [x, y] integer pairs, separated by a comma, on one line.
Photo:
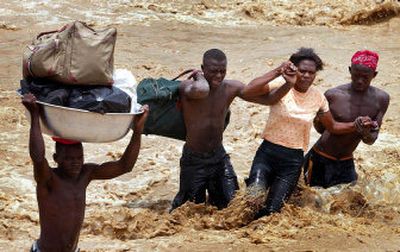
{"points": [[35, 247], [276, 168], [278, 161], [323, 170], [290, 120], [206, 171]]}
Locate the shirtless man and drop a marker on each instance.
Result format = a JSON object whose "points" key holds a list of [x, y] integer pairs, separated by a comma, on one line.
{"points": [[61, 192], [330, 161], [205, 166]]}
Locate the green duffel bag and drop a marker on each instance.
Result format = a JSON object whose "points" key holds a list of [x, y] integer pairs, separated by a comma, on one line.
{"points": [[165, 117]]}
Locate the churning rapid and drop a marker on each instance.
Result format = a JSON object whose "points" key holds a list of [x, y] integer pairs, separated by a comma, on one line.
{"points": [[162, 38]]}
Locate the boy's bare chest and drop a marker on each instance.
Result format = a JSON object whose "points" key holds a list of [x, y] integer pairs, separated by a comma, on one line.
{"points": [[65, 194]]}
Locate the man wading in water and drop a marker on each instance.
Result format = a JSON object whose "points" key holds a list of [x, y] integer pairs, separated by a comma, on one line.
{"points": [[330, 161], [205, 166]]}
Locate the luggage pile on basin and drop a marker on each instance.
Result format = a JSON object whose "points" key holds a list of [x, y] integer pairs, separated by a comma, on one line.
{"points": [[71, 72]]}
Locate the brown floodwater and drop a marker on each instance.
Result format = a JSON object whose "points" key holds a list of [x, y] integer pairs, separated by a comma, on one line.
{"points": [[162, 38]]}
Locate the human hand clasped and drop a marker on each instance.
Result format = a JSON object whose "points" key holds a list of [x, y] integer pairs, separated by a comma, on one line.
{"points": [[364, 124], [289, 72]]}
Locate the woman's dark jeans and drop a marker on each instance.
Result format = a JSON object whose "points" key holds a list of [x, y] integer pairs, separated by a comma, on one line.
{"points": [[278, 168]]}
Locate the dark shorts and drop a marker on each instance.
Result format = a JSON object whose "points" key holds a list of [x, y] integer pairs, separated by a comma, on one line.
{"points": [[201, 172], [327, 172], [276, 168]]}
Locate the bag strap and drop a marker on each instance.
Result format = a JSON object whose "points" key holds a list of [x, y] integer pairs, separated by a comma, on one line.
{"points": [[50, 32], [183, 73], [45, 33], [63, 28], [86, 26]]}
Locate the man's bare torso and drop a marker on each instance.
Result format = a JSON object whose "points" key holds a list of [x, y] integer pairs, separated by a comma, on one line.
{"points": [[345, 106], [205, 118]]}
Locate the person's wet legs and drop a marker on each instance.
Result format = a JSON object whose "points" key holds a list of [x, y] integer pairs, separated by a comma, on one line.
{"points": [[192, 181], [281, 189], [260, 172], [286, 176], [224, 184], [261, 175], [278, 168]]}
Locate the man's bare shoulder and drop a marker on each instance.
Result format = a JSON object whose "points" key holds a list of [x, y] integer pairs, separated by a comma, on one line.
{"points": [[382, 95], [185, 83], [337, 91], [182, 85], [233, 84], [233, 87]]}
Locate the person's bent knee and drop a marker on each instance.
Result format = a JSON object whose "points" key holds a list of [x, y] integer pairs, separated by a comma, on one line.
{"points": [[257, 176]]}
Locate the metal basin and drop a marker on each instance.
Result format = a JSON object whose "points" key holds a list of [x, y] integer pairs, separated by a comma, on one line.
{"points": [[82, 125]]}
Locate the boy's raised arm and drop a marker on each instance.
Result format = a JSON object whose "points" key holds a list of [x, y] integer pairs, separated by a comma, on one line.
{"points": [[125, 164], [42, 171]]}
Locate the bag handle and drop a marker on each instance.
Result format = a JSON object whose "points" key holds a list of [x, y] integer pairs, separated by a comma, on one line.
{"points": [[86, 26], [50, 32], [183, 73], [63, 28], [45, 33]]}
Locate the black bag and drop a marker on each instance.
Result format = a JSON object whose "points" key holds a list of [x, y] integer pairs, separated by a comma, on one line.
{"points": [[99, 99], [45, 92], [165, 118]]}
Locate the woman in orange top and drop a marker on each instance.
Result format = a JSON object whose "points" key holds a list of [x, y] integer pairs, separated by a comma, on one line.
{"points": [[277, 163]]}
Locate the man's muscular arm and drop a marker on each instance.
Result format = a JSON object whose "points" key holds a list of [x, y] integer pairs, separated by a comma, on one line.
{"points": [[370, 134], [198, 88], [335, 127], [318, 125], [41, 170]]}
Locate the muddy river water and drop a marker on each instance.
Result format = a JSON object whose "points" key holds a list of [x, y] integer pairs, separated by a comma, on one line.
{"points": [[162, 38]]}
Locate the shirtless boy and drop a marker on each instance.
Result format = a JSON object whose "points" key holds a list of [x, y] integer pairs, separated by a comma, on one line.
{"points": [[61, 192]]}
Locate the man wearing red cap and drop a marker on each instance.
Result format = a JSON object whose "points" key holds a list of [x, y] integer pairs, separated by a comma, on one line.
{"points": [[330, 161], [61, 192]]}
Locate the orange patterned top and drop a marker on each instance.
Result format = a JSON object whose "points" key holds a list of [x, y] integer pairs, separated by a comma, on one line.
{"points": [[290, 120]]}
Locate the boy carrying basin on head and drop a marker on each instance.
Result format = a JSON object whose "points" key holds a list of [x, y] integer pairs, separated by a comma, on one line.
{"points": [[61, 191]]}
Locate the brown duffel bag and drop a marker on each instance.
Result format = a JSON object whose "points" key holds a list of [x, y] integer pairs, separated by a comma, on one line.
{"points": [[75, 54]]}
